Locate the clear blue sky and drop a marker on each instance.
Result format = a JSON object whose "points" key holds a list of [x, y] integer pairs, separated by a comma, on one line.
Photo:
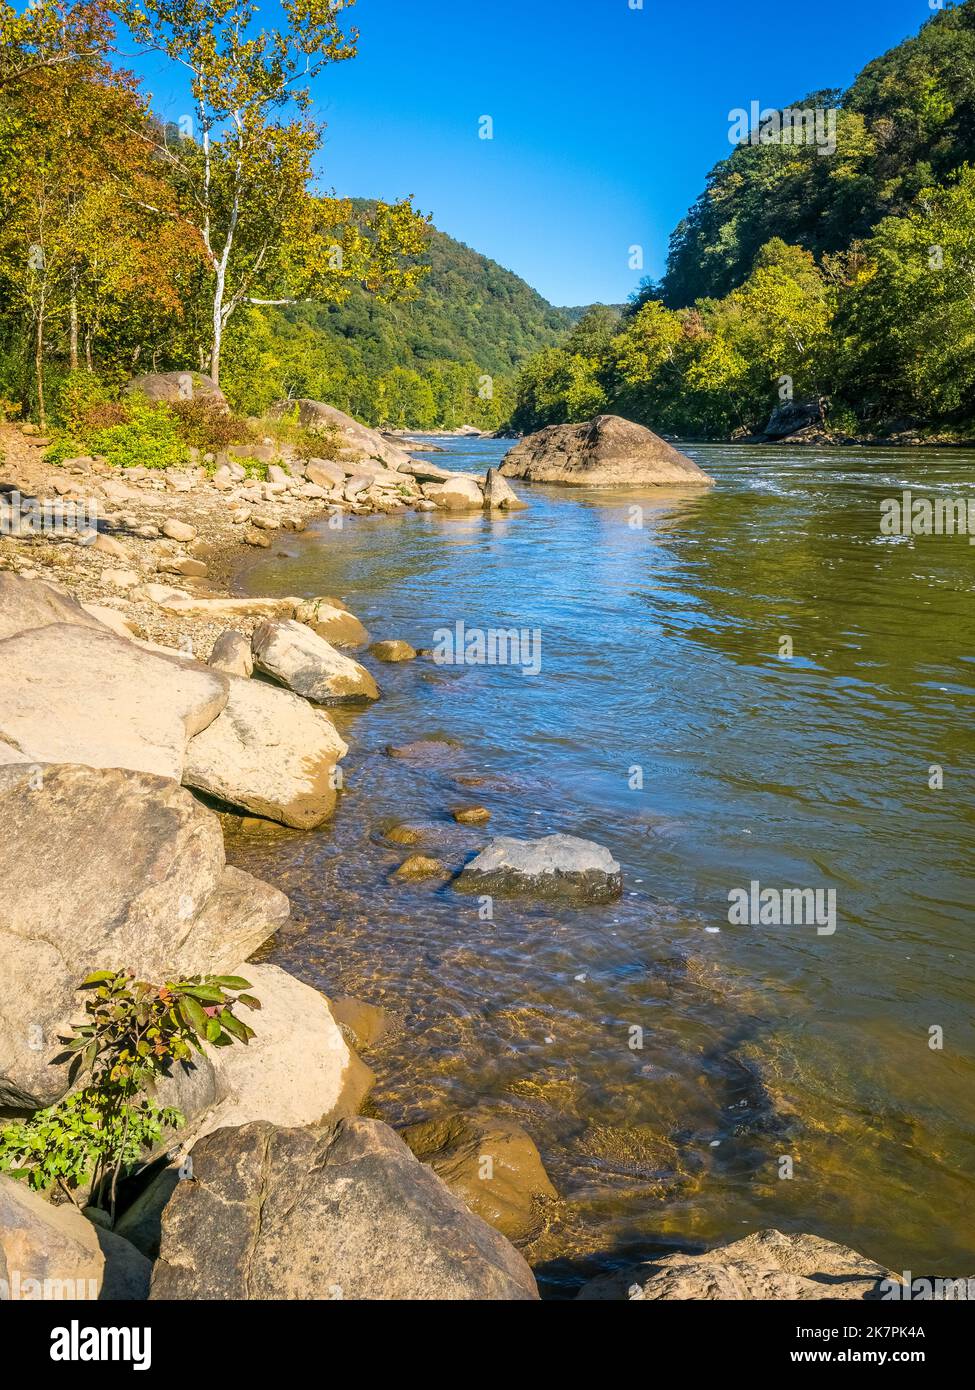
{"points": [[606, 119]]}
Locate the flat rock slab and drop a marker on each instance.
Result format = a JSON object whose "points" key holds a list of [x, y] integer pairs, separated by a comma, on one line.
{"points": [[151, 892], [72, 694], [605, 452], [268, 752], [178, 601], [308, 665], [556, 866], [344, 1212], [767, 1265], [28, 603]]}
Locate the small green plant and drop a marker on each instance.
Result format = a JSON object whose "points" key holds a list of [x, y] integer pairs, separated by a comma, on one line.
{"points": [[133, 1035]]}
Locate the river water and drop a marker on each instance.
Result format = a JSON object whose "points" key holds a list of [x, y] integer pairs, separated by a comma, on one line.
{"points": [[687, 1079]]}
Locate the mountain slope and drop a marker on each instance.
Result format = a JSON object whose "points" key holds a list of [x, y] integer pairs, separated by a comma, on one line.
{"points": [[907, 122]]}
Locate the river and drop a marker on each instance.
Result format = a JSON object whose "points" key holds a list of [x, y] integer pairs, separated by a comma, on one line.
{"points": [[687, 1079]]}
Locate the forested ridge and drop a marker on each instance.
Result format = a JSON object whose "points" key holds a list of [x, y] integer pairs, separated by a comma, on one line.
{"points": [[803, 273]]}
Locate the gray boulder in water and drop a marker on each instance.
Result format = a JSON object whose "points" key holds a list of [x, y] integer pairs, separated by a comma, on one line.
{"points": [[605, 452], [556, 866]]}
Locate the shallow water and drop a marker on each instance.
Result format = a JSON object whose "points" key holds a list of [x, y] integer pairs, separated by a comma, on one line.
{"points": [[664, 1060]]}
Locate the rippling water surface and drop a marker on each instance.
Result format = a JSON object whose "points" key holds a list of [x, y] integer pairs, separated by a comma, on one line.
{"points": [[660, 652]]}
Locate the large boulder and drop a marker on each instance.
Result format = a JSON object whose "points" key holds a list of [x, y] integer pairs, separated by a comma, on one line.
{"points": [[341, 1212], [605, 452], [792, 416], [499, 495], [231, 653], [359, 440], [55, 1254], [270, 753], [336, 625], [459, 493], [297, 1070], [555, 866], [425, 472], [766, 1265], [171, 387], [326, 473], [308, 665], [72, 694], [28, 603], [491, 1163], [150, 892]]}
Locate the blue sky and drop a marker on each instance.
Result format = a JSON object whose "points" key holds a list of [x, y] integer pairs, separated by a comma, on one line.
{"points": [[606, 118]]}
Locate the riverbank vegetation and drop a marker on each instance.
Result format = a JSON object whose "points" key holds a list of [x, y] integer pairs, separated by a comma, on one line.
{"points": [[799, 272]]}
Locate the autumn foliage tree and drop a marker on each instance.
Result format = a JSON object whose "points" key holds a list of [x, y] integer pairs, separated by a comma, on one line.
{"points": [[242, 167]]}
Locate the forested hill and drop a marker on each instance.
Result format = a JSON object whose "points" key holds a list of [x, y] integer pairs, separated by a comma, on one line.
{"points": [[840, 270], [907, 122], [446, 358]]}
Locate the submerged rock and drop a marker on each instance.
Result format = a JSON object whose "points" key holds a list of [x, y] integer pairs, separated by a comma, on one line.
{"points": [[556, 866], [471, 815], [425, 751], [767, 1265], [393, 650], [268, 752], [492, 1164], [151, 892], [367, 1023], [419, 866], [605, 452], [343, 1212], [307, 664]]}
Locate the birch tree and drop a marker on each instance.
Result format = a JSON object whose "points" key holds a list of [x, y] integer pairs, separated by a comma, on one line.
{"points": [[241, 161]]}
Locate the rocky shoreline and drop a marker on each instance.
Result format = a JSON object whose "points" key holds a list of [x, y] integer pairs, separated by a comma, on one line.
{"points": [[138, 699]]}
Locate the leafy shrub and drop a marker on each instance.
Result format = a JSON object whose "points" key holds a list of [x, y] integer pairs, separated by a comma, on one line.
{"points": [[149, 437], [134, 1033], [83, 401], [203, 425]]}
